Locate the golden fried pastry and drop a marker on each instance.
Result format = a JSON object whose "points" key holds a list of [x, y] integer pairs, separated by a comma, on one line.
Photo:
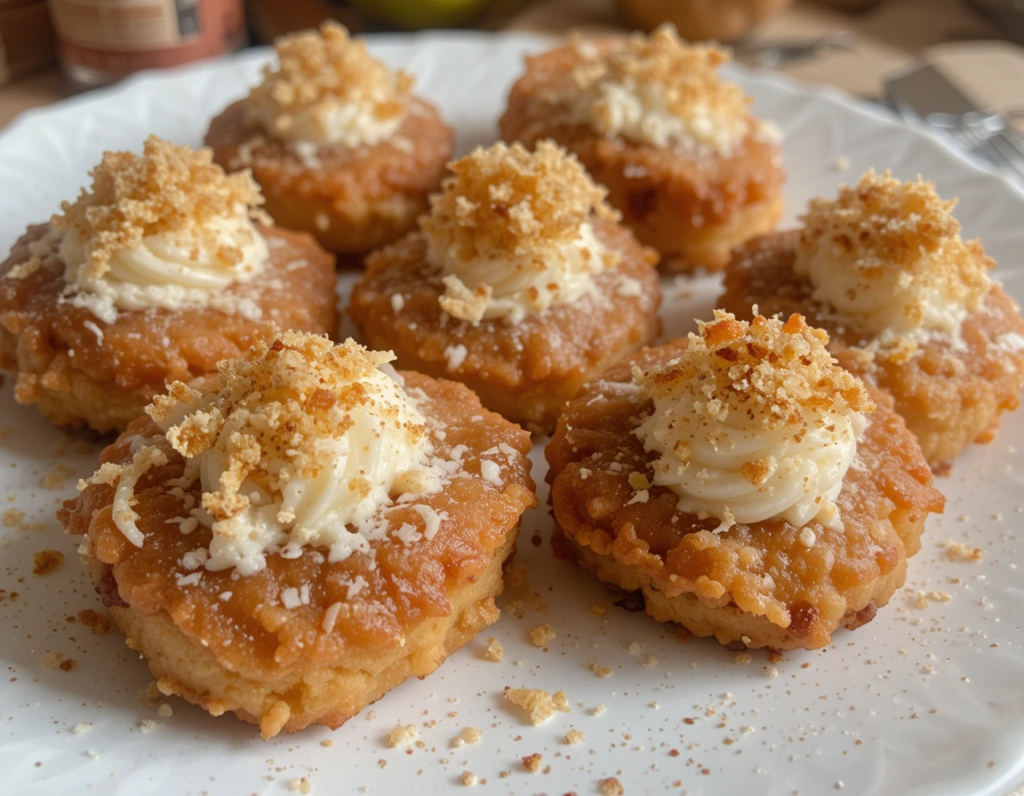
{"points": [[152, 275], [693, 173], [336, 140], [520, 284], [909, 305], [304, 531], [751, 488]]}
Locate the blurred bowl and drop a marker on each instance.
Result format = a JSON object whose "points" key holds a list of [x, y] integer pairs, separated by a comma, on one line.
{"points": [[415, 14], [697, 20]]}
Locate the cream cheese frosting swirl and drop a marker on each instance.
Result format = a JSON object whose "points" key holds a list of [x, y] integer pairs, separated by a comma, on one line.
{"points": [[888, 256], [299, 444], [327, 89], [511, 233], [754, 422], [657, 90], [166, 229]]}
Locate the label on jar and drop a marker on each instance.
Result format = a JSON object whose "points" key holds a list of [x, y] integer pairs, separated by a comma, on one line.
{"points": [[122, 36]]}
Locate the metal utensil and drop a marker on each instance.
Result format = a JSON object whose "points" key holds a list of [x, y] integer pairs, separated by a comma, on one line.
{"points": [[924, 93], [770, 54]]}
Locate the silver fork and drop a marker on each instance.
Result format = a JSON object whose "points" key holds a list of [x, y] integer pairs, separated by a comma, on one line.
{"points": [[988, 135]]}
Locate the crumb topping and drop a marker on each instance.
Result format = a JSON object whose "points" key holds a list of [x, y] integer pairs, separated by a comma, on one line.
{"points": [[165, 229], [754, 421], [328, 89], [294, 443], [660, 91], [888, 255], [168, 190], [511, 232]]}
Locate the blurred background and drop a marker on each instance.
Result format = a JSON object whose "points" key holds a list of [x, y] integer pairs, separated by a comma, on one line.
{"points": [[955, 64]]}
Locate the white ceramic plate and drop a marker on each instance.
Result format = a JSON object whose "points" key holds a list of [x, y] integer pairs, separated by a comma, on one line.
{"points": [[921, 701]]}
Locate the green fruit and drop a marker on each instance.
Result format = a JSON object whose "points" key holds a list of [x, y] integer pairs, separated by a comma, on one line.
{"points": [[423, 13]]}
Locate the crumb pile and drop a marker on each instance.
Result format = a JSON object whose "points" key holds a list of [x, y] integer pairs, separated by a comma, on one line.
{"points": [[754, 422], [327, 89], [660, 91], [166, 228], [511, 232], [888, 256]]}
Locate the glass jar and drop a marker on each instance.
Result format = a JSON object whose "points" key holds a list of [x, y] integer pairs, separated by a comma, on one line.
{"points": [[103, 40]]}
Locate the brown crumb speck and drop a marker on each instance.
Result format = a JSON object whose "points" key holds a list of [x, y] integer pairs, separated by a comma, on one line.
{"points": [[46, 561], [532, 763]]}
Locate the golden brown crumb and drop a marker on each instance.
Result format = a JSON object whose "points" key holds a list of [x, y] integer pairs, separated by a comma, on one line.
{"points": [[922, 599], [560, 701], [777, 372], [318, 69], [599, 670], [574, 736], [46, 561], [687, 76], [169, 189], [405, 734], [311, 380], [539, 705], [958, 551], [598, 609], [532, 763], [506, 203], [542, 635], [494, 652], [892, 225], [743, 659], [471, 735], [12, 517], [610, 786], [469, 778]]}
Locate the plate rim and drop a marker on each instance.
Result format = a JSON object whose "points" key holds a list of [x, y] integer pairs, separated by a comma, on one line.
{"points": [[144, 80]]}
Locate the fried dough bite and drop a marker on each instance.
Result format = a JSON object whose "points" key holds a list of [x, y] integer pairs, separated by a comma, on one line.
{"points": [[304, 531], [747, 485], [520, 284], [693, 173], [160, 269], [909, 305], [340, 146]]}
